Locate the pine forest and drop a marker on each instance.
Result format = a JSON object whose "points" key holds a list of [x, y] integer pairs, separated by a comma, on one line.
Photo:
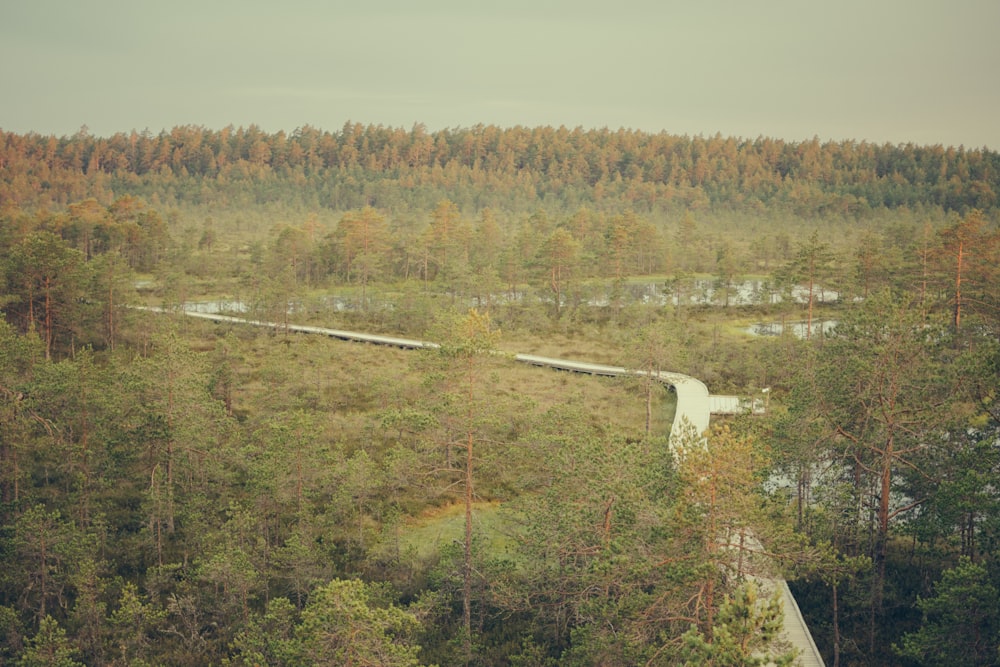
{"points": [[182, 491]]}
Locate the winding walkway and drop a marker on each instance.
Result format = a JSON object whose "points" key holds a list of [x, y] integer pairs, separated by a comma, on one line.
{"points": [[694, 410]]}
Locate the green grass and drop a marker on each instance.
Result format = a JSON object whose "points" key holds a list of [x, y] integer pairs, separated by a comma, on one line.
{"points": [[427, 534]]}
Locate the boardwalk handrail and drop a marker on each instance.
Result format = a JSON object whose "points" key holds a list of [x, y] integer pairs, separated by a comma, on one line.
{"points": [[692, 394], [693, 413]]}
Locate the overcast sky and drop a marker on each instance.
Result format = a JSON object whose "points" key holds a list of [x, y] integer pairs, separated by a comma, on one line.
{"points": [[896, 71]]}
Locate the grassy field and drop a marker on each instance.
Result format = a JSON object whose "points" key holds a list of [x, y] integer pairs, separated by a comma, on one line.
{"points": [[427, 534]]}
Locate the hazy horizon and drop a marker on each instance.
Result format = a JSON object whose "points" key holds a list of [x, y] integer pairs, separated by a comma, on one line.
{"points": [[895, 72]]}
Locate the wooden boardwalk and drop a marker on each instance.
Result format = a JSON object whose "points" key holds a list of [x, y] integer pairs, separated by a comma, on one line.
{"points": [[695, 407], [693, 413], [796, 631]]}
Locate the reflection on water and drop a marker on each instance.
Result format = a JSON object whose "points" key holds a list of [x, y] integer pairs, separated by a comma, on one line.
{"points": [[228, 306], [699, 292], [217, 306], [797, 329], [703, 292]]}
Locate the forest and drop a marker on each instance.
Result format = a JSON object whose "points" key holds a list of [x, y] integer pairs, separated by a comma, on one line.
{"points": [[175, 491]]}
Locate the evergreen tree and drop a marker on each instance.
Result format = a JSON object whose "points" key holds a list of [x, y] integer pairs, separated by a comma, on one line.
{"points": [[746, 633], [961, 621]]}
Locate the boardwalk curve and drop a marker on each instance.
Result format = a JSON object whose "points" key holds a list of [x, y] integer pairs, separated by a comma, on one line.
{"points": [[693, 412]]}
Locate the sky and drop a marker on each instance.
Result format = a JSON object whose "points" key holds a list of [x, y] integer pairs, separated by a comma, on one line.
{"points": [[885, 71]]}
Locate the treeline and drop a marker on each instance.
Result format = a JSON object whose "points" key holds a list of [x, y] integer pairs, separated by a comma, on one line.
{"points": [[61, 268], [500, 167], [176, 493]]}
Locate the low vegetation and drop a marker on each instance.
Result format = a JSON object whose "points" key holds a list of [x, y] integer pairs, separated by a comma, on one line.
{"points": [[176, 491]]}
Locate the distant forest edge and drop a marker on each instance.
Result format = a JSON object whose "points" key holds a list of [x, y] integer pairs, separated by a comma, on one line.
{"points": [[513, 169]]}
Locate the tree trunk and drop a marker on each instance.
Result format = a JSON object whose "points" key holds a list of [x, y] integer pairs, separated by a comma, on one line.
{"points": [[467, 565], [836, 628], [170, 452], [809, 317], [649, 398], [43, 584], [48, 320], [958, 288]]}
